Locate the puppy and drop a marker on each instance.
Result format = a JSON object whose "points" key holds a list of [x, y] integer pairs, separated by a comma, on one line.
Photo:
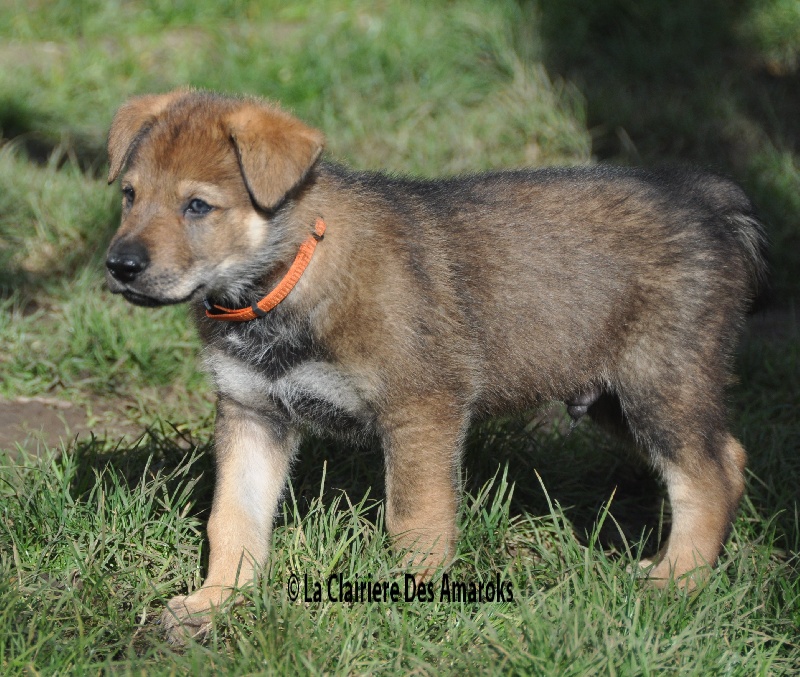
{"points": [[367, 305]]}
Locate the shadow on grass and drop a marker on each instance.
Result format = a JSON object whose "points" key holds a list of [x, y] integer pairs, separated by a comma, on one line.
{"points": [[159, 450], [34, 131], [580, 472], [580, 469], [680, 81], [42, 141]]}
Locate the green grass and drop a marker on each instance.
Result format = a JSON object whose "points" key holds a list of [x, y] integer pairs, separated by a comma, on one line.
{"points": [[99, 540], [97, 534]]}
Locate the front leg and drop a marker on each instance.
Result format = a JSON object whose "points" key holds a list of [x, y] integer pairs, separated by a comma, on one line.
{"points": [[253, 453], [423, 444]]}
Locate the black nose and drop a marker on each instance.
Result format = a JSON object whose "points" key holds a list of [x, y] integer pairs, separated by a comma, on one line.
{"points": [[127, 259]]}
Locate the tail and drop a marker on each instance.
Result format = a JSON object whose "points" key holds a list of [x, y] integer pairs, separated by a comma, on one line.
{"points": [[734, 209], [733, 217], [752, 239]]}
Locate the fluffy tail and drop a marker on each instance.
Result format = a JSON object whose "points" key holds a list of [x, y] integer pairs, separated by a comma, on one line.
{"points": [[731, 205], [751, 236]]}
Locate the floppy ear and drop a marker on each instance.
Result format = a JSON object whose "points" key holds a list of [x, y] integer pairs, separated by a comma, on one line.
{"points": [[133, 118], [275, 151]]}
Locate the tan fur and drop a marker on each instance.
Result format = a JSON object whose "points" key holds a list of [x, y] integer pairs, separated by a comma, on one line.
{"points": [[702, 506], [129, 121], [422, 484], [251, 461], [427, 306], [275, 150]]}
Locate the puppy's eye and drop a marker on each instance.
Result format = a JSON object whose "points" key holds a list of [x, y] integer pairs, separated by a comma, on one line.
{"points": [[128, 195], [198, 207]]}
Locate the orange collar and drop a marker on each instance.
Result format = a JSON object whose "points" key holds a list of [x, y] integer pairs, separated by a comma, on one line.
{"points": [[280, 292]]}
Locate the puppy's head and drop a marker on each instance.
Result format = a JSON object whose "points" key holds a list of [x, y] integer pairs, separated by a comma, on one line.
{"points": [[204, 174]]}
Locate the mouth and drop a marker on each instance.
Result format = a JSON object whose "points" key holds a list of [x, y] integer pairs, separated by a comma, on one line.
{"points": [[138, 299]]}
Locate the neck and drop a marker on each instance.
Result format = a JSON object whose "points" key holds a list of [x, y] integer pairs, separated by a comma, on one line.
{"points": [[261, 307]]}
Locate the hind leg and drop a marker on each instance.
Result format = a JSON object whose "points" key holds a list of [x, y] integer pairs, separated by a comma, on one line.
{"points": [[702, 465], [675, 410], [704, 491]]}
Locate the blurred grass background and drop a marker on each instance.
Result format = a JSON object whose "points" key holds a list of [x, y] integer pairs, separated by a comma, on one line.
{"points": [[94, 536]]}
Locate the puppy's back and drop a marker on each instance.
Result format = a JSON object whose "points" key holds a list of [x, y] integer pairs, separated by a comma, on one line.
{"points": [[551, 274]]}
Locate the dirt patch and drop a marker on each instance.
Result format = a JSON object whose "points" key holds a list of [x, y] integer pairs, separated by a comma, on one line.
{"points": [[39, 423]]}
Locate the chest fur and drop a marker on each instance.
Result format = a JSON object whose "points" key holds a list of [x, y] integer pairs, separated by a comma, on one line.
{"points": [[285, 372]]}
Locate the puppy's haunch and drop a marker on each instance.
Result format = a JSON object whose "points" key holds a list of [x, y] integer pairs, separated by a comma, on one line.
{"points": [[422, 306]]}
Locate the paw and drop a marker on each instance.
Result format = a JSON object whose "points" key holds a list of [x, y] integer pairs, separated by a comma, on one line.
{"points": [[654, 570], [659, 573], [642, 568], [423, 565], [190, 617], [686, 575]]}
